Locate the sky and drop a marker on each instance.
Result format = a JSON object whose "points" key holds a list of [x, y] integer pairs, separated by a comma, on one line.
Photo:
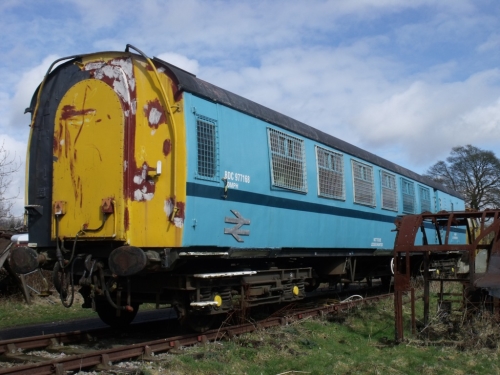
{"points": [[406, 80]]}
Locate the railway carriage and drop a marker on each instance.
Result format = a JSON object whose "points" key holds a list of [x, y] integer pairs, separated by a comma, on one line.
{"points": [[148, 184]]}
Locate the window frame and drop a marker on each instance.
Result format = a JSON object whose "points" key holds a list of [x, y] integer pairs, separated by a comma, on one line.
{"points": [[405, 194], [333, 171], [211, 172], [286, 150], [369, 181], [384, 189], [421, 198]]}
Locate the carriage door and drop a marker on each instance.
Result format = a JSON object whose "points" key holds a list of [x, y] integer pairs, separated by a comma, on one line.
{"points": [[88, 163]]}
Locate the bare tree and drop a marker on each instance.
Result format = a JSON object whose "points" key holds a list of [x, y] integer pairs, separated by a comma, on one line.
{"points": [[9, 164], [473, 172]]}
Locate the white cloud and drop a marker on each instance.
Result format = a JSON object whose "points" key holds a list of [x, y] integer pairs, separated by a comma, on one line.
{"points": [[18, 124], [406, 80], [485, 121], [14, 127], [364, 99], [323, 88], [15, 152], [426, 119], [493, 43], [180, 61]]}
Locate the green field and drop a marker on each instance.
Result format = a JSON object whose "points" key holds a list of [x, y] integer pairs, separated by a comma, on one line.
{"points": [[360, 341], [357, 342]]}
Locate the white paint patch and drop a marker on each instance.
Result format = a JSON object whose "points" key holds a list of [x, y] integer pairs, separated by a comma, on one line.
{"points": [[131, 83], [121, 73], [168, 208], [110, 72], [94, 65], [126, 66], [178, 222], [125, 165], [138, 180], [61, 142], [147, 196], [138, 195], [121, 88], [154, 116], [133, 106], [153, 131], [143, 195]]}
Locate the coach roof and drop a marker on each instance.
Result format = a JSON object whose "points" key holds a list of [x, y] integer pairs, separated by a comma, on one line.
{"points": [[190, 83]]}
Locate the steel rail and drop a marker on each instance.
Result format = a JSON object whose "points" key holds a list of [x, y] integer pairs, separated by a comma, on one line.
{"points": [[42, 341], [145, 350]]}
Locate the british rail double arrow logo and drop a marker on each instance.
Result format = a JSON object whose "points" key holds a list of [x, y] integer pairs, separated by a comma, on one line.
{"points": [[235, 231]]}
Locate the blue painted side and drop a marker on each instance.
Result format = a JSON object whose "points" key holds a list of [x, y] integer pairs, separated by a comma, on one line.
{"points": [[278, 217], [446, 202]]}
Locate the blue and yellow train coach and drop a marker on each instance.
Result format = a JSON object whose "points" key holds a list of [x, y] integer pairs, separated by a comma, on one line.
{"points": [[148, 184]]}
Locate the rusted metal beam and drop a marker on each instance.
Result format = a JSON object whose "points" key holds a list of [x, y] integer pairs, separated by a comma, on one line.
{"points": [[465, 232]]}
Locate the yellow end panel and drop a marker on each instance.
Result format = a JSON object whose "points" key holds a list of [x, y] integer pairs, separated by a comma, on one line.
{"points": [[88, 162], [156, 210]]}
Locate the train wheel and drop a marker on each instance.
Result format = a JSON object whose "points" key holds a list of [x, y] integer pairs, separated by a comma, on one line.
{"points": [[107, 313]]}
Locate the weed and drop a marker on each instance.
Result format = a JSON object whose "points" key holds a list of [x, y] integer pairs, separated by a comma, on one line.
{"points": [[14, 311], [359, 341]]}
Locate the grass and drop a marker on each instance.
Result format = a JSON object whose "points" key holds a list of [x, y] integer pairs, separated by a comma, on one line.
{"points": [[356, 342], [326, 347], [15, 312]]}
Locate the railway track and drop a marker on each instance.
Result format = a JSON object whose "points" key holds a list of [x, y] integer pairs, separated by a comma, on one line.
{"points": [[20, 350]]}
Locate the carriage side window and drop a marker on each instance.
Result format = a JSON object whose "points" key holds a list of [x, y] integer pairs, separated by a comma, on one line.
{"points": [[364, 187], [330, 174], [206, 136], [408, 193], [288, 162], [389, 191], [425, 199]]}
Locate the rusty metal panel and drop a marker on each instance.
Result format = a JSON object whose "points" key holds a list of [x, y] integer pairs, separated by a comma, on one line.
{"points": [[156, 199], [88, 160], [114, 173]]}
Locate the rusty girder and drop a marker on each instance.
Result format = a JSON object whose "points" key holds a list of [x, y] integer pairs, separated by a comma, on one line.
{"points": [[473, 234]]}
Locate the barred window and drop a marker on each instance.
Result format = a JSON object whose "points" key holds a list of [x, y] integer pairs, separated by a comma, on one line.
{"points": [[330, 174], [389, 191], [288, 163], [206, 135], [364, 188], [425, 199], [408, 194]]}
